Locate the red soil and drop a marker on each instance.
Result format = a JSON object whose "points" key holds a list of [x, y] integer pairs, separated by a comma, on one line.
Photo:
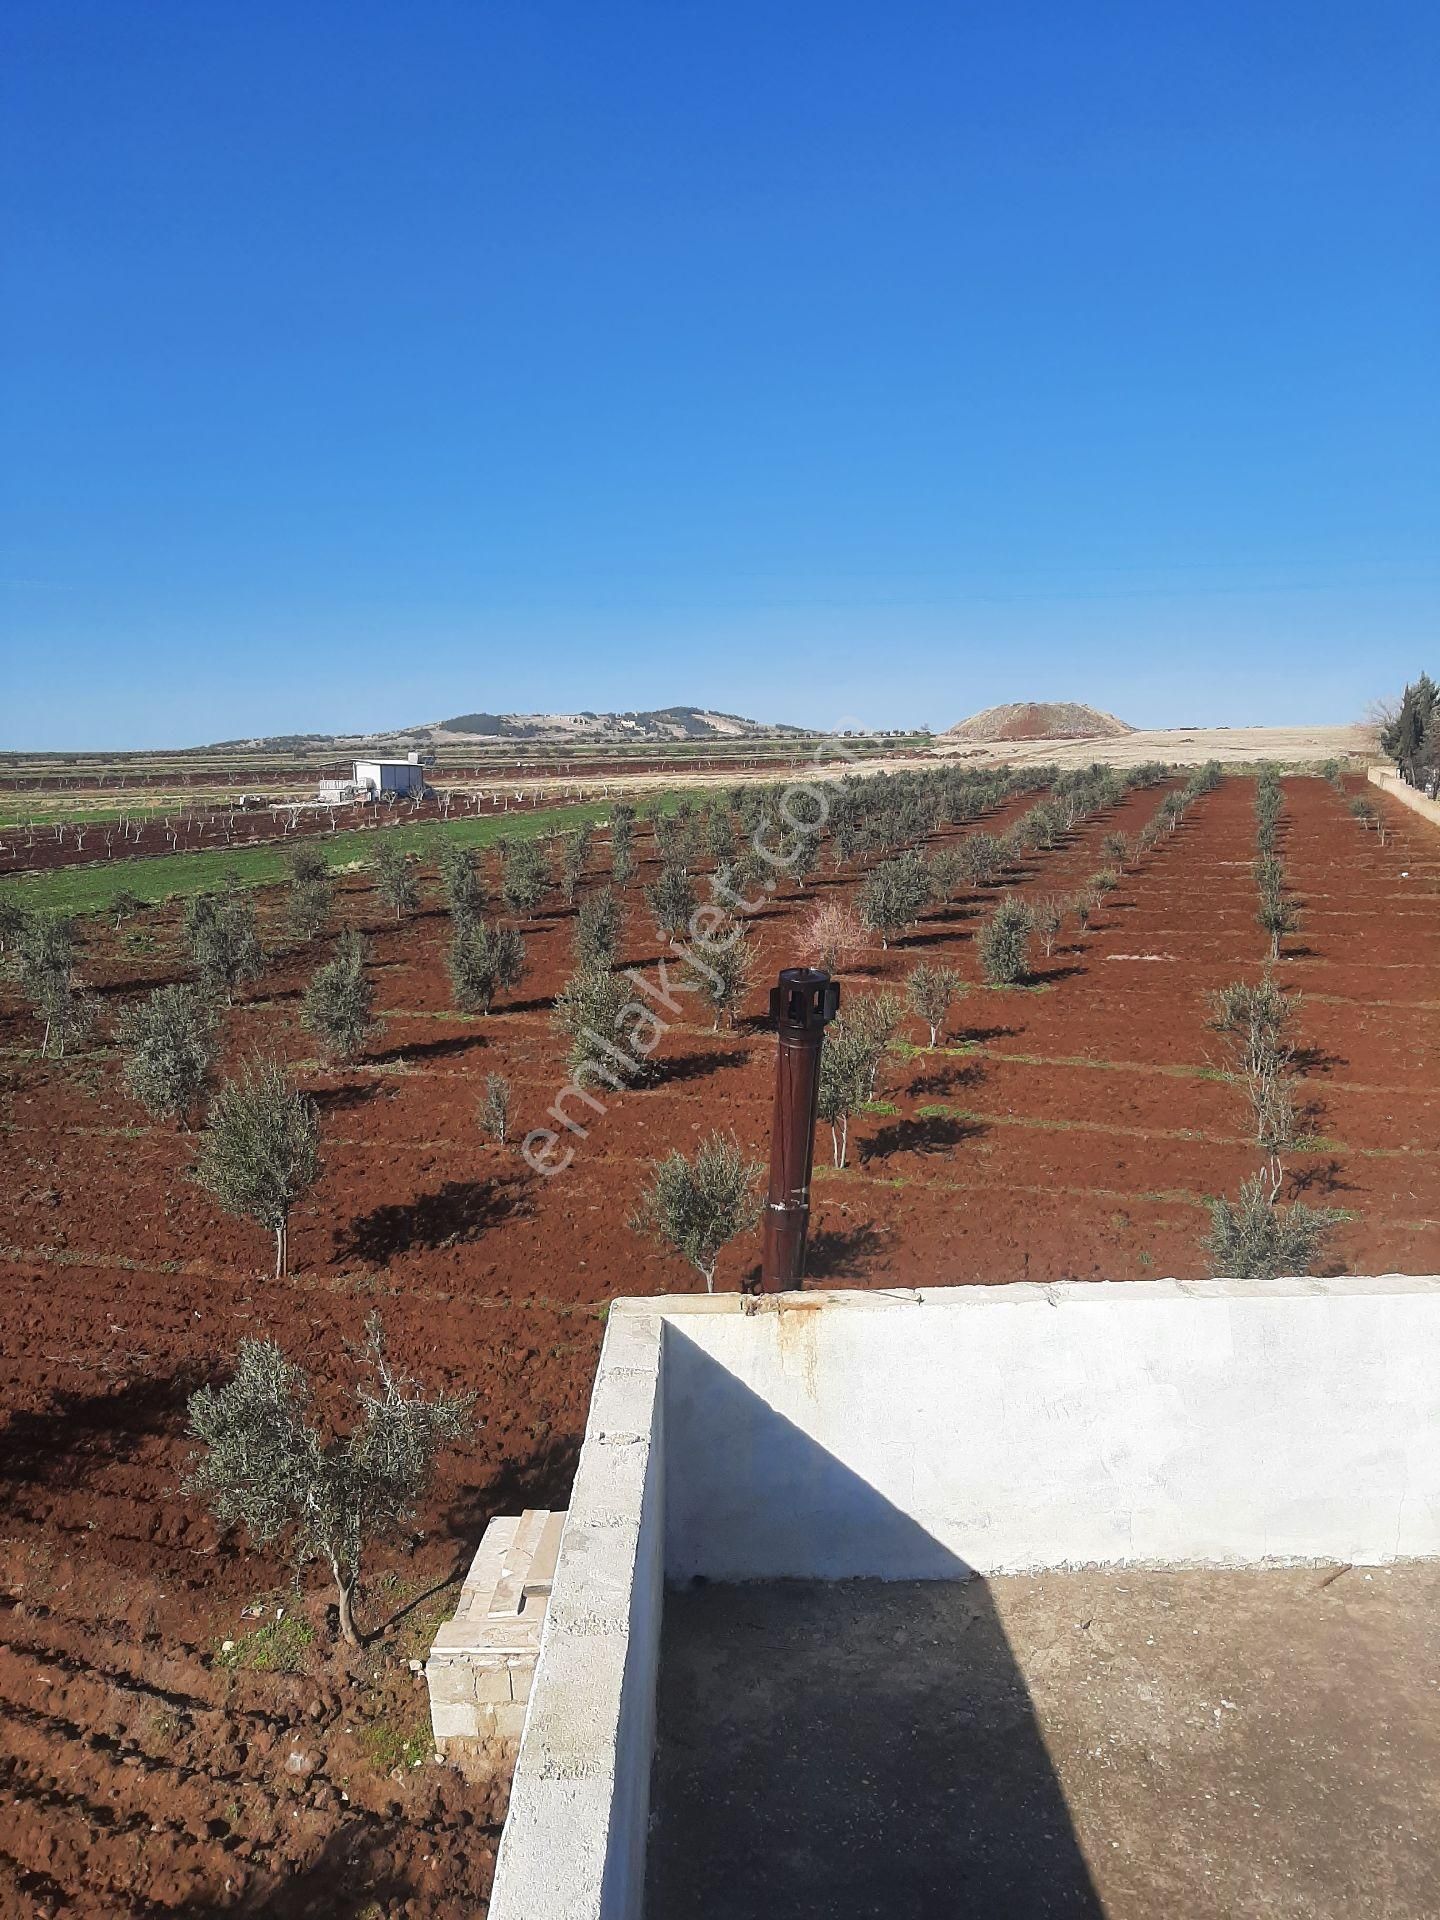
{"points": [[1071, 1131]]}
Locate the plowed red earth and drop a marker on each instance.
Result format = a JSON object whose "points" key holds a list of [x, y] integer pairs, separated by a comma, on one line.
{"points": [[1074, 1129]]}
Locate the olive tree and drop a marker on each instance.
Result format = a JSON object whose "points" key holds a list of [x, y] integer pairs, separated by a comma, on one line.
{"points": [[1047, 917], [930, 993], [598, 927], [13, 918], [395, 878], [671, 901], [894, 895], [260, 1150], [1253, 1238], [224, 943], [460, 881], [695, 1207], [574, 854], [46, 952], [484, 959], [1005, 943], [523, 879], [169, 1044], [726, 971], [268, 1467], [338, 1005], [495, 1107], [849, 1060]]}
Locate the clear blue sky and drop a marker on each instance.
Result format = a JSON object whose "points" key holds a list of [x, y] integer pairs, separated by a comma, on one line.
{"points": [[368, 363]]}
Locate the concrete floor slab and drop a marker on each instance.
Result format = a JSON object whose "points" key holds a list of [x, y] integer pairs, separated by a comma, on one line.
{"points": [[1132, 1744]]}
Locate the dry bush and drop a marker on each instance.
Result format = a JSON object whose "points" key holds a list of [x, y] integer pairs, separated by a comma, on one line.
{"points": [[833, 935]]}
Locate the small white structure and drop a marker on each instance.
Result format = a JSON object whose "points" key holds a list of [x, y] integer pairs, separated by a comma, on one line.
{"points": [[338, 793], [390, 776], [482, 1661]]}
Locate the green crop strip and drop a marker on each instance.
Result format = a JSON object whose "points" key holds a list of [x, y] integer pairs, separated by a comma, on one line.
{"points": [[93, 889]]}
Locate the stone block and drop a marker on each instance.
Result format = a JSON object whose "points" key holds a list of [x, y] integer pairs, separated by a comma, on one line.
{"points": [[456, 1721]]}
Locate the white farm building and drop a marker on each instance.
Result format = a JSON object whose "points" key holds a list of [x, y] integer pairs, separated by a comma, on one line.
{"points": [[390, 776]]}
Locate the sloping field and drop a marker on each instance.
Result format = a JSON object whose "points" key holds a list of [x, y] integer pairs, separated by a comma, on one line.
{"points": [[1070, 1128], [1181, 746]]}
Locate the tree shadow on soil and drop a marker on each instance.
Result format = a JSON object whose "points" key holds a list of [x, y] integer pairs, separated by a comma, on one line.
{"points": [[430, 1049], [455, 1214], [934, 1133], [344, 1099], [832, 1251], [540, 1479], [697, 1066], [62, 1445], [1317, 1060], [979, 1036], [1324, 1178], [353, 1878], [951, 1076]]}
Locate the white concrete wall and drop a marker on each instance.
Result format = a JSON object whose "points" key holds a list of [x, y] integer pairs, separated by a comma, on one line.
{"points": [[1006, 1428], [574, 1841], [1408, 796], [923, 1435]]}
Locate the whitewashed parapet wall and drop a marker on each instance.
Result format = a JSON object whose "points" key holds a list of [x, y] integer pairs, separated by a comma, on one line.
{"points": [[1407, 795], [932, 1434]]}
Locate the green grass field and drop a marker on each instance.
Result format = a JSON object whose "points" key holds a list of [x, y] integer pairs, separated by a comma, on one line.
{"points": [[93, 889]]}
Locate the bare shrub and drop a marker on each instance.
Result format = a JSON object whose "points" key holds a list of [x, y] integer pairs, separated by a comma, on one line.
{"points": [[833, 935]]}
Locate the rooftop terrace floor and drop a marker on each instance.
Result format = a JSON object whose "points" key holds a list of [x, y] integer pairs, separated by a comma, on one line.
{"points": [[1123, 1743]]}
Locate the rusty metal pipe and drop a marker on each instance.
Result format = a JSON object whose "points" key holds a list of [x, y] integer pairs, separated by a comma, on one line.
{"points": [[802, 1004]]}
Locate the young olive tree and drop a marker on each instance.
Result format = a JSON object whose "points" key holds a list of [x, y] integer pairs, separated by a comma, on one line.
{"points": [[260, 1150], [599, 924], [523, 879], [495, 1107], [13, 920], [269, 1468], [484, 959], [1256, 1239], [1047, 917], [1005, 943], [395, 878], [574, 856], [696, 1207], [894, 895], [726, 971], [124, 906], [169, 1044], [590, 1012], [460, 881], [337, 1009], [930, 993], [849, 1061], [46, 950], [671, 901], [223, 940]]}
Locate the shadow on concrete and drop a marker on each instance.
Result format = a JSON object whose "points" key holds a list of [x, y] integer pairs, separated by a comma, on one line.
{"points": [[845, 1746]]}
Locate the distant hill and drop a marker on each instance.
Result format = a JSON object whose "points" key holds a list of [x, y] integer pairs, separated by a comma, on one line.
{"points": [[1039, 720], [658, 724]]}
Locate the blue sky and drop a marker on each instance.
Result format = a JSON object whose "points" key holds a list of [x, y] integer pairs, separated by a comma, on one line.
{"points": [[847, 364]]}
